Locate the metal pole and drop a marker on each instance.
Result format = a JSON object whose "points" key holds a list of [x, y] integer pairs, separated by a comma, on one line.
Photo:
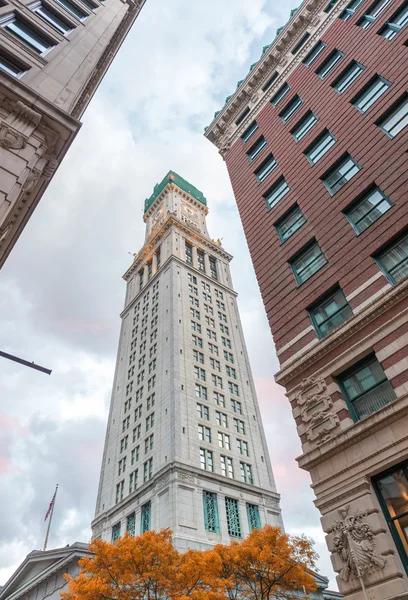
{"points": [[49, 522], [21, 361]]}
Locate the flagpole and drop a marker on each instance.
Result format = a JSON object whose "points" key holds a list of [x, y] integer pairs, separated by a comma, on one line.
{"points": [[49, 522]]}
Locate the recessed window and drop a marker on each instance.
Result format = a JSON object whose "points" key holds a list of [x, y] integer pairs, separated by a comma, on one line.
{"points": [[254, 520], [396, 23], [393, 261], [344, 81], [368, 209], [290, 109], [270, 81], [307, 262], [330, 6], [370, 94], [392, 491], [290, 223], [330, 312], [280, 94], [89, 5], [301, 43], [242, 116], [374, 11], [314, 53], [233, 518], [73, 9], [28, 34], [328, 65], [211, 520], [396, 119], [256, 148], [350, 9], [304, 126], [51, 17], [11, 65], [266, 168], [320, 146], [366, 388], [249, 131], [279, 189], [340, 174]]}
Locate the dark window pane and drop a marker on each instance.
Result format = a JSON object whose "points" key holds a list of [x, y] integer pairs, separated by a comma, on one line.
{"points": [[290, 223], [370, 208]]}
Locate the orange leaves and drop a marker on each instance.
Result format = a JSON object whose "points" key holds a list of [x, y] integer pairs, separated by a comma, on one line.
{"points": [[267, 563]]}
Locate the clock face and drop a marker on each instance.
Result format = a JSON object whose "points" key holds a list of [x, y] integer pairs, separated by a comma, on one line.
{"points": [[188, 210]]}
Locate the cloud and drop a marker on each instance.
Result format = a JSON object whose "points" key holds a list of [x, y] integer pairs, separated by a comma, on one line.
{"points": [[61, 290]]}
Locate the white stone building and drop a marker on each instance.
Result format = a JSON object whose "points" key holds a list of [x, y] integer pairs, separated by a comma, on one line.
{"points": [[185, 447]]}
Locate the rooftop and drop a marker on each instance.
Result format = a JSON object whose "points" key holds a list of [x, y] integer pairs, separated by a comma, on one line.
{"points": [[174, 179]]}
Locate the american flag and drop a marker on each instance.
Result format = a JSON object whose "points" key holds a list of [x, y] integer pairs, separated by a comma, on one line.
{"points": [[50, 506]]}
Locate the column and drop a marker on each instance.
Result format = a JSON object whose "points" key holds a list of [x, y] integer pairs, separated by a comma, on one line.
{"points": [[195, 259], [207, 264], [145, 275], [154, 266]]}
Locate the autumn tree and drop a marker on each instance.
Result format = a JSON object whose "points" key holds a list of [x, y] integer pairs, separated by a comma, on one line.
{"points": [[267, 564], [146, 567]]}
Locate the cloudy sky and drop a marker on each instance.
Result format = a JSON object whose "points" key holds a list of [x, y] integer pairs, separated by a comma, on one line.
{"points": [[61, 290]]}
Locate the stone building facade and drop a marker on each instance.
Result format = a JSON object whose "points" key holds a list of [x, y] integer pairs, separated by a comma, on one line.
{"points": [[315, 139], [53, 55], [185, 447]]}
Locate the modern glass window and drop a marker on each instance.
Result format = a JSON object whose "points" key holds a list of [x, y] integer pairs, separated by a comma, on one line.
{"points": [[242, 116], [115, 532], [366, 388], [275, 193], [397, 119], [145, 517], [350, 9], [368, 209], [328, 65], [330, 312], [290, 223], [314, 53], [393, 260], [305, 264], [301, 43], [270, 81], [320, 146], [280, 94], [370, 93], [265, 168], [256, 148], [249, 131], [73, 9], [254, 521], [396, 23], [304, 126], [392, 491], [11, 65], [211, 519], [29, 35], [340, 174], [291, 108], [233, 520], [51, 17], [348, 77], [373, 12]]}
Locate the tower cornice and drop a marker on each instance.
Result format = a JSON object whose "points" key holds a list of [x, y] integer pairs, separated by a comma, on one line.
{"points": [[152, 242], [310, 17]]}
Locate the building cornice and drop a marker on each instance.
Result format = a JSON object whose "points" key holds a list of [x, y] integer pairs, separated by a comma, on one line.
{"points": [[170, 187], [371, 312], [153, 241], [223, 131]]}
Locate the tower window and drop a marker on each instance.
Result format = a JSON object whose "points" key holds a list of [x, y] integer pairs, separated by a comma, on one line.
{"points": [[233, 520], [189, 254], [344, 81], [340, 174], [73, 9], [278, 190], [145, 517], [397, 119], [246, 473], [304, 126], [51, 17], [368, 209], [290, 223], [329, 64], [213, 268], [206, 460], [28, 34], [330, 312], [371, 93], [366, 388], [200, 260], [227, 467], [254, 520], [11, 66], [211, 520], [306, 263]]}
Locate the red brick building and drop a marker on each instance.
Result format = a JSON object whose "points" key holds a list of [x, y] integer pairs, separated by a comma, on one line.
{"points": [[315, 139]]}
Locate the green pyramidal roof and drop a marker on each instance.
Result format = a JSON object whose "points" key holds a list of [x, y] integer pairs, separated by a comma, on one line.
{"points": [[175, 179]]}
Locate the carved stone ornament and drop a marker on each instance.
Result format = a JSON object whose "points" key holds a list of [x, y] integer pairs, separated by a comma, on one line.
{"points": [[317, 410], [31, 181], [355, 545], [10, 139], [162, 481], [16, 129], [184, 476]]}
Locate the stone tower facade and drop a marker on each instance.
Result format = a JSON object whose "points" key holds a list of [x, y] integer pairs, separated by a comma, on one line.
{"points": [[53, 55], [185, 447]]}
